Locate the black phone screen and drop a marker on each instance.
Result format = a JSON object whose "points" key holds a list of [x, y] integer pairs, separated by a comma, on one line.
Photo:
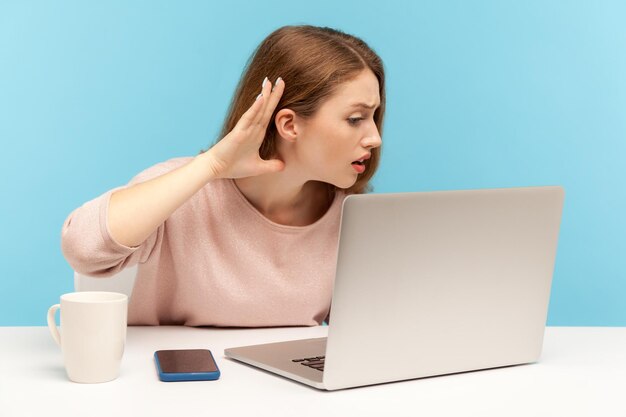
{"points": [[186, 361]]}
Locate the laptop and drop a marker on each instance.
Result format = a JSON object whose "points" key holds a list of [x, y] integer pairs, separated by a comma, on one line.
{"points": [[430, 283]]}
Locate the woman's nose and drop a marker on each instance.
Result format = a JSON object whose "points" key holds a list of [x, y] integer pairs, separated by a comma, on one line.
{"points": [[372, 140]]}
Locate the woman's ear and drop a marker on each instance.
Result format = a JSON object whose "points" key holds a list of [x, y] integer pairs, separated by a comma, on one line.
{"points": [[285, 121]]}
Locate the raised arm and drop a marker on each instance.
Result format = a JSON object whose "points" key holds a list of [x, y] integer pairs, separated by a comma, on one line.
{"points": [[137, 211]]}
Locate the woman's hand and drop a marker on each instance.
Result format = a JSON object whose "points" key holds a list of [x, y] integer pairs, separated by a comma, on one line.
{"points": [[236, 155]]}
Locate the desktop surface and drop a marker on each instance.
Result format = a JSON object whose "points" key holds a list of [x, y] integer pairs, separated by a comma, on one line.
{"points": [[581, 372]]}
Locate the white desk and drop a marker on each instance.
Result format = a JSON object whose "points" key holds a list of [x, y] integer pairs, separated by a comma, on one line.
{"points": [[582, 372]]}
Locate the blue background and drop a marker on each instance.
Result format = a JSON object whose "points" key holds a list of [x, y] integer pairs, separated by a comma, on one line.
{"points": [[480, 94]]}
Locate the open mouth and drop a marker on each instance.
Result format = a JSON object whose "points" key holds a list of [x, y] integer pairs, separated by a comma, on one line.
{"points": [[359, 166]]}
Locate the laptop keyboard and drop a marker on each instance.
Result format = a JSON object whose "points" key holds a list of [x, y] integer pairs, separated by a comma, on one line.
{"points": [[316, 362]]}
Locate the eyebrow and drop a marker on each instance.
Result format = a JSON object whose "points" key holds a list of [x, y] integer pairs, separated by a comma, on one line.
{"points": [[363, 105]]}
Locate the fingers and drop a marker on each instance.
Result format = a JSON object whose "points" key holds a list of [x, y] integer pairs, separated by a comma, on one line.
{"points": [[261, 110], [271, 97], [274, 98]]}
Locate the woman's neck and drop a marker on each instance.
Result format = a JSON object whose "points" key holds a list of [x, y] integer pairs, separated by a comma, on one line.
{"points": [[284, 200]]}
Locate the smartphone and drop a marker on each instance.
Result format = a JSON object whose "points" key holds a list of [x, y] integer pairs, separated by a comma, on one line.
{"points": [[186, 365]]}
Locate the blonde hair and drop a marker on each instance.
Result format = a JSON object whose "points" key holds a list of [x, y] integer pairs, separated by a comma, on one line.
{"points": [[313, 62]]}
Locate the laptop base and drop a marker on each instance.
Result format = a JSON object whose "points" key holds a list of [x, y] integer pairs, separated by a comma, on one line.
{"points": [[278, 358]]}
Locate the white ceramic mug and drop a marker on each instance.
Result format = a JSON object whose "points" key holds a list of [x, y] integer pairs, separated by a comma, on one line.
{"points": [[93, 334]]}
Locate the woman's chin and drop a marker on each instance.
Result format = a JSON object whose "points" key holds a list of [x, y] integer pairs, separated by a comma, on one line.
{"points": [[344, 183]]}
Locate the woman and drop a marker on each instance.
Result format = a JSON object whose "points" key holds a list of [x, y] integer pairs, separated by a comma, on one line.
{"points": [[245, 234]]}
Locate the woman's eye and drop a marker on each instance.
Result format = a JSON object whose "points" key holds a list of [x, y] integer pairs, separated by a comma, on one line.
{"points": [[354, 120]]}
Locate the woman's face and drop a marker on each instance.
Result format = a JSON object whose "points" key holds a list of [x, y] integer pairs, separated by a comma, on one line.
{"points": [[327, 147]]}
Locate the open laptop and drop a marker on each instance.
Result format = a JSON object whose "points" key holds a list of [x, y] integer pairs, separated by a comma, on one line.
{"points": [[430, 283]]}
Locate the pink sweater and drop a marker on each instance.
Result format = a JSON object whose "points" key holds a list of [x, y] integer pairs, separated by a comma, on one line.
{"points": [[216, 261]]}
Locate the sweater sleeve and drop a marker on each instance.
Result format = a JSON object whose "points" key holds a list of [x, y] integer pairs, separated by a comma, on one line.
{"points": [[87, 243]]}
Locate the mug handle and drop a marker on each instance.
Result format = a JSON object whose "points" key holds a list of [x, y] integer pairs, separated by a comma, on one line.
{"points": [[52, 325]]}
